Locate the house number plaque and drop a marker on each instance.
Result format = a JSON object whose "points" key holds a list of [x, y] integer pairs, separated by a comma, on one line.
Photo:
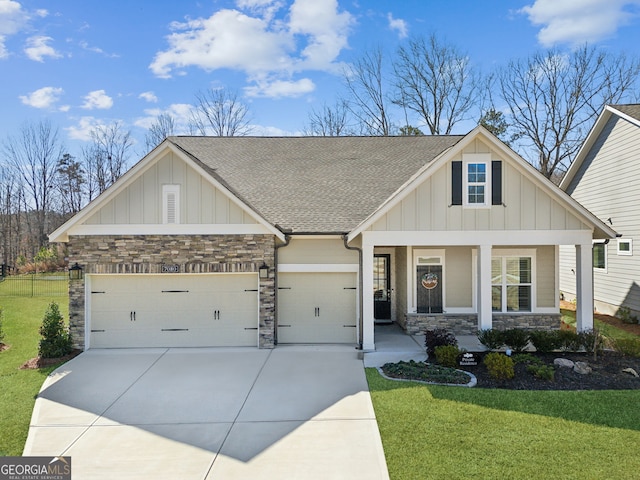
{"points": [[170, 268]]}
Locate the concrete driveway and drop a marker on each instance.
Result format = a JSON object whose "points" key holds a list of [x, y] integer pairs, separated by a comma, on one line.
{"points": [[293, 412]]}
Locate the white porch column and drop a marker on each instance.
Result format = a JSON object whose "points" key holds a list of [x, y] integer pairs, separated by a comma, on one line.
{"points": [[484, 288], [367, 299], [584, 287]]}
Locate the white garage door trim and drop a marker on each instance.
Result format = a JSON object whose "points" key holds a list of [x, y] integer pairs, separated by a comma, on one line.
{"points": [[194, 316]]}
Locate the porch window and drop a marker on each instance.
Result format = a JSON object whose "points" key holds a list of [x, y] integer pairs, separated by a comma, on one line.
{"points": [[511, 284]]}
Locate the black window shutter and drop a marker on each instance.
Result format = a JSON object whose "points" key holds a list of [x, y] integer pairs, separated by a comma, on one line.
{"points": [[496, 182], [456, 183]]}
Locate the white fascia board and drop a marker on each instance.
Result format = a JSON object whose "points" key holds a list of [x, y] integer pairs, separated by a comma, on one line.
{"points": [[485, 237], [590, 139], [169, 229], [62, 233]]}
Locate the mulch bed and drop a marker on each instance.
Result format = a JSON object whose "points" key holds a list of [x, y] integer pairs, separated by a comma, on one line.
{"points": [[606, 374], [39, 362]]}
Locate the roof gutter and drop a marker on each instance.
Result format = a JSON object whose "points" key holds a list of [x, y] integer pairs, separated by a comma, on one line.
{"points": [[360, 285]]}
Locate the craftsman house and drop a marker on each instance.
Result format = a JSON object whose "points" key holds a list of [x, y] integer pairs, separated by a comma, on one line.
{"points": [[604, 178], [257, 241]]}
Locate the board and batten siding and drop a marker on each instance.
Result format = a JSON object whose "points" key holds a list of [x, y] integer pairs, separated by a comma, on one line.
{"points": [[608, 184], [200, 202], [525, 205]]}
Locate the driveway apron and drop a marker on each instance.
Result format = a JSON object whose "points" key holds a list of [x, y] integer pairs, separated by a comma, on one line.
{"points": [[220, 413]]}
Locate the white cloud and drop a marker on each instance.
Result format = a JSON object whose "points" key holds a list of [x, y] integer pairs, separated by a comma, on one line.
{"points": [[579, 21], [180, 112], [280, 88], [398, 25], [44, 97], [12, 19], [149, 97], [261, 40], [37, 48], [82, 131], [97, 99]]}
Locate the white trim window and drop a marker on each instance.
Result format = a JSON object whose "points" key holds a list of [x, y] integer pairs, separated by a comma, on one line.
{"points": [[170, 204], [477, 182], [512, 283], [625, 246], [600, 256]]}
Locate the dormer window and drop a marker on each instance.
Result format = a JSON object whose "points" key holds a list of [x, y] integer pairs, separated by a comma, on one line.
{"points": [[476, 181], [170, 204], [476, 187]]}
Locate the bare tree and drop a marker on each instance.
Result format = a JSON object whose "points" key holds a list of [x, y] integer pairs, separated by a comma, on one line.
{"points": [[436, 81], [554, 99], [330, 121], [70, 183], [106, 159], [10, 204], [366, 93], [33, 154], [220, 113], [162, 127]]}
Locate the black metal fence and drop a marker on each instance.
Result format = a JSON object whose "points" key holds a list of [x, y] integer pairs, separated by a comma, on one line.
{"points": [[34, 285]]}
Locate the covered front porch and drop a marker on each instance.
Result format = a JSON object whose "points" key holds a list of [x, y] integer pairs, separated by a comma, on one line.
{"points": [[426, 280]]}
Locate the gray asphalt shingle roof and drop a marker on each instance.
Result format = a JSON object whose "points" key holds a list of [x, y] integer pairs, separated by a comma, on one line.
{"points": [[632, 109], [314, 184]]}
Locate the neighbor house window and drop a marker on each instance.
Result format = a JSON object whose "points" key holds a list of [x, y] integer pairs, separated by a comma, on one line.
{"points": [[476, 190], [171, 204], [600, 256], [511, 284], [624, 247]]}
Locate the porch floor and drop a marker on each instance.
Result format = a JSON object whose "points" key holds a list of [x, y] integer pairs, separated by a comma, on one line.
{"points": [[394, 345]]}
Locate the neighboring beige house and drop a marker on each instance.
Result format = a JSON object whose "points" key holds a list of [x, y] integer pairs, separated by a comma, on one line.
{"points": [[604, 177], [257, 241]]}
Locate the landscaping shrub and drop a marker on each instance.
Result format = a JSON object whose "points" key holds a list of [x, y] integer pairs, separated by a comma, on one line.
{"points": [[447, 355], [516, 338], [545, 341], [569, 340], [492, 339], [629, 347], [527, 359], [56, 341], [544, 372], [499, 366], [592, 341], [438, 337], [624, 314]]}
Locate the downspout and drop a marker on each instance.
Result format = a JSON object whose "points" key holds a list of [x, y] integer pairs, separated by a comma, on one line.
{"points": [[360, 285], [287, 239]]}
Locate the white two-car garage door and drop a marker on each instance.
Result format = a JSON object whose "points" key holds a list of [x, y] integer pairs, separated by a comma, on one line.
{"points": [[173, 310], [317, 307]]}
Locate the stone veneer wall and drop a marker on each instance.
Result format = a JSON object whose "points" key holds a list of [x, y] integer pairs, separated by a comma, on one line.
{"points": [[145, 254], [468, 324]]}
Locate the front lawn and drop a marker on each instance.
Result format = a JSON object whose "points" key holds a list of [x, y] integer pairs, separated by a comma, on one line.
{"points": [[454, 432], [18, 388]]}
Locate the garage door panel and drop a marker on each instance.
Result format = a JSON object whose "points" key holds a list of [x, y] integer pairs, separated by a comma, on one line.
{"points": [[174, 310], [317, 308]]}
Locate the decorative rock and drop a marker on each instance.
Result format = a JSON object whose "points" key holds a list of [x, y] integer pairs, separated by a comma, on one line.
{"points": [[563, 362], [631, 371], [582, 368]]}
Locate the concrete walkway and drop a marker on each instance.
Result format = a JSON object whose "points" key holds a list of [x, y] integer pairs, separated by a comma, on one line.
{"points": [[293, 412]]}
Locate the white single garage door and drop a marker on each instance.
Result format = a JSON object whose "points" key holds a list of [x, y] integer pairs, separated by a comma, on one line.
{"points": [[173, 310], [317, 307]]}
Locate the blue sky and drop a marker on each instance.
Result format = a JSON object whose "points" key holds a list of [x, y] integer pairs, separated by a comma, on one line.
{"points": [[82, 63]]}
